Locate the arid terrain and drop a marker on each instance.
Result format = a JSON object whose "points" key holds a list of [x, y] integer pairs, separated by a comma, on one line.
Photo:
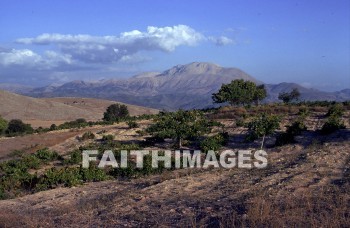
{"points": [[305, 184], [47, 111]]}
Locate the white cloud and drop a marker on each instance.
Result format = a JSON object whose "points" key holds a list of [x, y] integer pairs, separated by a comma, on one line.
{"points": [[66, 55], [19, 57], [25, 58], [104, 49], [221, 41]]}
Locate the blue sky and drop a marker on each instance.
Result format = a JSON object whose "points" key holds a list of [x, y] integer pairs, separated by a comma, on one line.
{"points": [[307, 42]]}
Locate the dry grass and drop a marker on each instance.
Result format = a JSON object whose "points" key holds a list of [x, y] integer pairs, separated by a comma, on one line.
{"points": [[44, 112]]}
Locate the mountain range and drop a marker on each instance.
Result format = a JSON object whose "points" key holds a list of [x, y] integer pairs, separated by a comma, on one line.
{"points": [[183, 86]]}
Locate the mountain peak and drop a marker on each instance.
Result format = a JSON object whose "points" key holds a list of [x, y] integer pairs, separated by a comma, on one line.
{"points": [[193, 68]]}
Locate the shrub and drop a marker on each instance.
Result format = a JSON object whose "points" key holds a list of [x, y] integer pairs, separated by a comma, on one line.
{"points": [[92, 174], [289, 136], [336, 110], [296, 128], [261, 126], [75, 157], [3, 125], [107, 138], [87, 135], [303, 112], [47, 155], [239, 122], [17, 127], [333, 124], [214, 142], [141, 132], [289, 97], [53, 127], [116, 112], [132, 124], [180, 126]]}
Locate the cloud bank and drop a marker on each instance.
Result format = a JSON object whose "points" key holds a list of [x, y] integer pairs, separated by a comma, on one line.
{"points": [[66, 51]]}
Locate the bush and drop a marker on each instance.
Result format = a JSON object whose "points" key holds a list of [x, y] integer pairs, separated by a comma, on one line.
{"points": [[116, 112], [78, 123], [261, 126], [47, 155], [75, 157], [303, 112], [333, 124], [141, 132], [289, 136], [239, 122], [107, 138], [3, 125], [214, 142], [87, 135], [132, 124], [53, 127], [296, 128], [336, 110], [17, 127]]}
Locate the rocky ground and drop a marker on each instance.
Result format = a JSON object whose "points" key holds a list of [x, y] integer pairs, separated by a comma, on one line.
{"points": [[305, 184]]}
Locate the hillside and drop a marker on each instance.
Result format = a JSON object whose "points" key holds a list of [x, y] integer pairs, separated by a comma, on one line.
{"points": [[306, 184], [183, 86], [44, 112]]}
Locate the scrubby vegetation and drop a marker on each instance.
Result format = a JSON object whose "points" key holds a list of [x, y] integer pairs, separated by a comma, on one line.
{"points": [[17, 127], [116, 112], [304, 124], [240, 92], [180, 125], [262, 126]]}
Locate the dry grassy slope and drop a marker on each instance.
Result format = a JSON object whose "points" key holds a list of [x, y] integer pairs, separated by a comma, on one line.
{"points": [[43, 112], [98, 106], [187, 197], [183, 198]]}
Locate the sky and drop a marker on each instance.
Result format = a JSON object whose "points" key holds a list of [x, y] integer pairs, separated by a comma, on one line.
{"points": [[46, 41]]}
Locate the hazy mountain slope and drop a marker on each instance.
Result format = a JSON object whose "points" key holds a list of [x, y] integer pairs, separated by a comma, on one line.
{"points": [[308, 94], [15, 88], [183, 86]]}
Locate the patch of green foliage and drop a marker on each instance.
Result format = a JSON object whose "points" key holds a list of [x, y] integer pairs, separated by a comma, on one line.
{"points": [[240, 92], [289, 136], [116, 112], [180, 125], [214, 142], [132, 124], [17, 127], [3, 125], [332, 124], [289, 97], [262, 126], [87, 135], [334, 121]]}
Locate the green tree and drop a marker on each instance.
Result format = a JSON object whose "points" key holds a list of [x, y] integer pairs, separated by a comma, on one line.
{"points": [[16, 126], [240, 92], [262, 126], [180, 125], [289, 97], [3, 125], [115, 112], [260, 94]]}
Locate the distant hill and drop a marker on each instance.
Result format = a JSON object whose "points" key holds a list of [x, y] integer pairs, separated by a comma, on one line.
{"points": [[42, 112], [16, 88], [307, 94], [183, 86]]}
